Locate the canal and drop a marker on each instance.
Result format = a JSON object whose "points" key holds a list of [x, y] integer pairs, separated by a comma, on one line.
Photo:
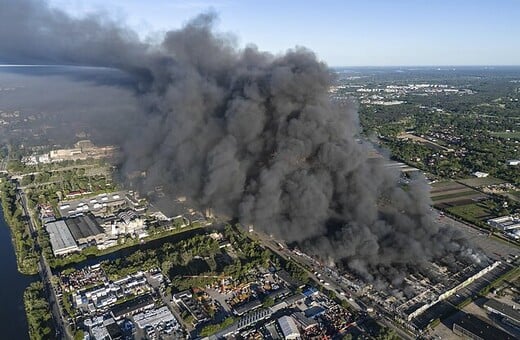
{"points": [[13, 322], [153, 244]]}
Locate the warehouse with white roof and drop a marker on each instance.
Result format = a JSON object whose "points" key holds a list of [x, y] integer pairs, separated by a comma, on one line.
{"points": [[289, 328], [61, 238]]}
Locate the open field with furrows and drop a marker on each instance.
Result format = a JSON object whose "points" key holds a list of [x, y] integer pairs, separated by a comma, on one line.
{"points": [[481, 182], [440, 187], [452, 194]]}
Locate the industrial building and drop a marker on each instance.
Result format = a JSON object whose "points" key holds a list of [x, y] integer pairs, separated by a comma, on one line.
{"points": [[505, 223], [124, 223], [509, 225], [429, 293], [85, 230], [62, 241], [98, 205], [107, 329], [185, 300], [154, 317], [288, 327], [247, 307], [291, 281], [471, 327], [305, 322], [133, 306], [244, 322], [83, 149], [509, 313]]}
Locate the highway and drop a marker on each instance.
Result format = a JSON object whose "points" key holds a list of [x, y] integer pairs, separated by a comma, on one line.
{"points": [[62, 329]]}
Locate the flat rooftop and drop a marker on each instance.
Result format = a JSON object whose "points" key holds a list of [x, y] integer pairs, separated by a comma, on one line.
{"points": [[60, 237], [130, 306], [504, 309], [154, 317], [83, 227], [480, 328]]}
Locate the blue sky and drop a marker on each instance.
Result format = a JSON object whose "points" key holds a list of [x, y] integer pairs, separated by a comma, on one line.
{"points": [[344, 33]]}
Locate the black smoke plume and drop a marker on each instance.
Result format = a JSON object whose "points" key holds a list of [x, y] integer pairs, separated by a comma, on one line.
{"points": [[249, 134]]}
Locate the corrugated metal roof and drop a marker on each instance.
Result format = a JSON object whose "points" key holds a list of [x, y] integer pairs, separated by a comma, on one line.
{"points": [[288, 327], [83, 227], [60, 236]]}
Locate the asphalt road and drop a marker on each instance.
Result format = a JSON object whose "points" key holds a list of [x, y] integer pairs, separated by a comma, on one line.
{"points": [[327, 280], [62, 329], [495, 249]]}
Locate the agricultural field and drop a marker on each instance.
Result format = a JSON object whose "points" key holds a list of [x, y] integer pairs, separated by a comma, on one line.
{"points": [[460, 198], [476, 213], [481, 182], [451, 194]]}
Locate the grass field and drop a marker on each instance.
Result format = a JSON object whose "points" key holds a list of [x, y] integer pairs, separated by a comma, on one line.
{"points": [[513, 135], [481, 182], [476, 212]]}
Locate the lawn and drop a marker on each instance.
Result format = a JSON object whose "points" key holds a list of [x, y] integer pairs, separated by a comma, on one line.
{"points": [[481, 182]]}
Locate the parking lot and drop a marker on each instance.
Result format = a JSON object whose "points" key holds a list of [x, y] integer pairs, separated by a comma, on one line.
{"points": [[492, 247]]}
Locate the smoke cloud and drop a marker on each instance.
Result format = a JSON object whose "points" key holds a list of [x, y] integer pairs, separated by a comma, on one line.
{"points": [[251, 135]]}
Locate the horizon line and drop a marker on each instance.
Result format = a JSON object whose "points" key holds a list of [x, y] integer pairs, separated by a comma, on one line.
{"points": [[432, 65], [330, 66]]}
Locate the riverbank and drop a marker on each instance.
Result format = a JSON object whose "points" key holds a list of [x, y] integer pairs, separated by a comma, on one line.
{"points": [[13, 320], [38, 313], [21, 238]]}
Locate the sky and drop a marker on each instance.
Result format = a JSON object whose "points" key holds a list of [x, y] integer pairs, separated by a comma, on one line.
{"points": [[342, 32]]}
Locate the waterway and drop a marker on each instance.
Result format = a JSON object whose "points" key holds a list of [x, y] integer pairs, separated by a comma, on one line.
{"points": [[13, 321], [153, 244]]}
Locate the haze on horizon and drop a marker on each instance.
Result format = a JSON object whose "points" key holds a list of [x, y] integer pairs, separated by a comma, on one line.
{"points": [[342, 33]]}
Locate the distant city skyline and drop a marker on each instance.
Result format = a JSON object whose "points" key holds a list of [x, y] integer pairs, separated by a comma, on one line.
{"points": [[342, 33]]}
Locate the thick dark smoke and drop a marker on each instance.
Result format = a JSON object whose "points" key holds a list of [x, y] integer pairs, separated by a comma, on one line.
{"points": [[250, 135]]}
